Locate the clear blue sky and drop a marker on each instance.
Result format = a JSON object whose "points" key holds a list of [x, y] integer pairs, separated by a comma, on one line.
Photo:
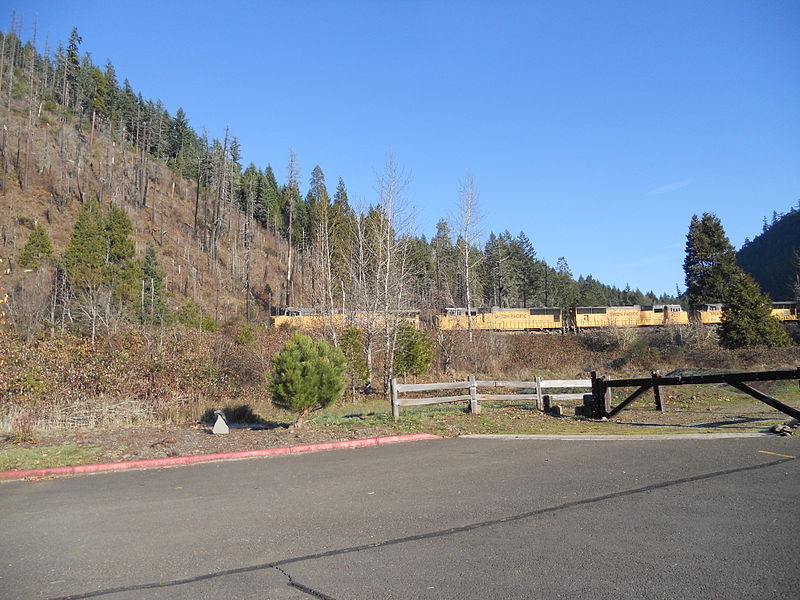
{"points": [[598, 128]]}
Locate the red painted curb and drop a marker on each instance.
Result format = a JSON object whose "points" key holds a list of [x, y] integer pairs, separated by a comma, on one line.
{"points": [[198, 458]]}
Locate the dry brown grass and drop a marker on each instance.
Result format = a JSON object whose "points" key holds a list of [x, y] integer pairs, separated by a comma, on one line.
{"points": [[176, 375]]}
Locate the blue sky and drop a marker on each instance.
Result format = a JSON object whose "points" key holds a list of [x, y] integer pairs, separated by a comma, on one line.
{"points": [[598, 128]]}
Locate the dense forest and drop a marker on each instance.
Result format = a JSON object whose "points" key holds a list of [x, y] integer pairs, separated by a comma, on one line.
{"points": [[773, 256]]}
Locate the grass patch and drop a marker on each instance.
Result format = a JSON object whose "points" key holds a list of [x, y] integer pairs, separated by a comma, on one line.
{"points": [[692, 409], [19, 458]]}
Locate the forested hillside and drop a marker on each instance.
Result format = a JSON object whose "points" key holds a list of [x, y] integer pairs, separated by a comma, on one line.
{"points": [[773, 258], [235, 240]]}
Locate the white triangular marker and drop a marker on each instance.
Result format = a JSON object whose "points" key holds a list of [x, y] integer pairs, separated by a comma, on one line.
{"points": [[220, 426]]}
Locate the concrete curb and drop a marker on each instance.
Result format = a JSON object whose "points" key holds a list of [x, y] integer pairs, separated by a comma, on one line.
{"points": [[200, 458], [617, 437]]}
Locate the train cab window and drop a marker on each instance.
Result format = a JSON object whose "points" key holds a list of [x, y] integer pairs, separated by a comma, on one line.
{"points": [[460, 312], [590, 310]]}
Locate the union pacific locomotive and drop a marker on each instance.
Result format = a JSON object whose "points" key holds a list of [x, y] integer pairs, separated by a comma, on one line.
{"points": [[537, 319]]}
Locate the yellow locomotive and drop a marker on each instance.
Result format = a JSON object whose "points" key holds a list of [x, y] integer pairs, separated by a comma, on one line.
{"points": [[311, 318], [784, 311], [502, 319], [711, 314], [588, 317], [532, 319]]}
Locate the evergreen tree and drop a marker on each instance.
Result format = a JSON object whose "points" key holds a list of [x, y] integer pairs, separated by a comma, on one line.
{"points": [[153, 293], [271, 203], [123, 270], [342, 236], [529, 272], [112, 86], [445, 266], [747, 317], [710, 261], [37, 250], [419, 260], [564, 290], [796, 275], [85, 265], [353, 350], [768, 258], [414, 352], [319, 204], [307, 375], [178, 139], [85, 255]]}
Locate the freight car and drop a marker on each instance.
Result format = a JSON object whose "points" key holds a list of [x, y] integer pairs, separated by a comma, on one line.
{"points": [[311, 318]]}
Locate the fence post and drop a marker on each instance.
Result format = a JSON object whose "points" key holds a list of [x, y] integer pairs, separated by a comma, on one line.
{"points": [[395, 406], [606, 398], [657, 393], [473, 396], [539, 397], [601, 397], [597, 396]]}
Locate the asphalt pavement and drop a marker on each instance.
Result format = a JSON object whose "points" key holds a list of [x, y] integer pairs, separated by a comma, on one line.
{"points": [[455, 518]]}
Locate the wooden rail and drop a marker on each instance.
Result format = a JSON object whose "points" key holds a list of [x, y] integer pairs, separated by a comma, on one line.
{"points": [[538, 384], [600, 404]]}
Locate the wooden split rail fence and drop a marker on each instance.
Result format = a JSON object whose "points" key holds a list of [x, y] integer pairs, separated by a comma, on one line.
{"points": [[471, 386], [596, 404]]}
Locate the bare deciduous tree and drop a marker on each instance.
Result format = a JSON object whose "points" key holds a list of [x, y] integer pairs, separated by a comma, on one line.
{"points": [[380, 267], [468, 234]]}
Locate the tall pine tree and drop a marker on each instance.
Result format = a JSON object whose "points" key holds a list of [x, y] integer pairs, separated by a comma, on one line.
{"points": [[123, 270], [85, 255], [710, 261]]}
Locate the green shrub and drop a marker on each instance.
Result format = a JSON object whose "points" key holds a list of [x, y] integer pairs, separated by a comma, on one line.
{"points": [[190, 315], [246, 335], [747, 319], [307, 375], [353, 350], [414, 353]]}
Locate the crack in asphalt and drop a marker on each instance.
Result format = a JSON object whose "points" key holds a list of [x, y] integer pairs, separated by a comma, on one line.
{"points": [[303, 588], [421, 536]]}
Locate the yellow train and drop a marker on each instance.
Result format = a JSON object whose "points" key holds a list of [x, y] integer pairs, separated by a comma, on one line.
{"points": [[587, 317], [502, 319], [537, 319], [550, 318], [711, 314], [311, 318]]}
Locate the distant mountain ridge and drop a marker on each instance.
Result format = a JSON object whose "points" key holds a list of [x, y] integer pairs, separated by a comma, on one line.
{"points": [[769, 258]]}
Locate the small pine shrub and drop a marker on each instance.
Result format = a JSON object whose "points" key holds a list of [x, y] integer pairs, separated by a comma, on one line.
{"points": [[307, 375]]}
